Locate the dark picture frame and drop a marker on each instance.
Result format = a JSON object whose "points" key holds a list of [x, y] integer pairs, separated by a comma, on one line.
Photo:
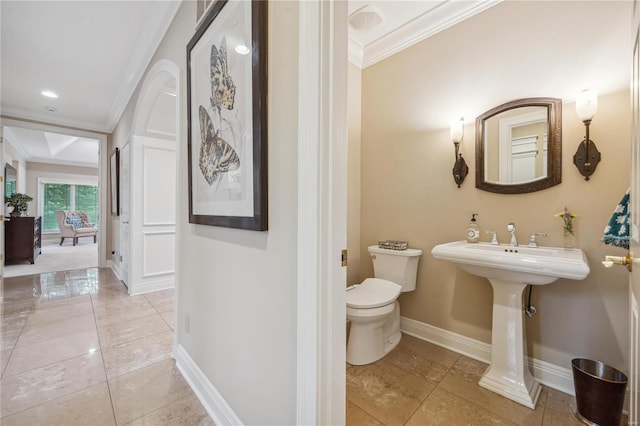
{"points": [[227, 117], [114, 181]]}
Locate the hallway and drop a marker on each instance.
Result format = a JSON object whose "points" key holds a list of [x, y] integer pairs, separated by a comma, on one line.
{"points": [[78, 350]]}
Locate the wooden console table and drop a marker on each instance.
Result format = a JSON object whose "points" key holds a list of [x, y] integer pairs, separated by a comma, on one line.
{"points": [[22, 238]]}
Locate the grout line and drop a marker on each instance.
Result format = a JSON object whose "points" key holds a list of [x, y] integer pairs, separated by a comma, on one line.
{"points": [[104, 366], [46, 365], [15, 345], [33, 308], [8, 361], [421, 404], [52, 400], [541, 404], [487, 409], [159, 313], [366, 412]]}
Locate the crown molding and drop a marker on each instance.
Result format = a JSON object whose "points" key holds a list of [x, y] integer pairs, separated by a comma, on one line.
{"points": [[356, 52], [53, 119], [420, 28], [11, 139]]}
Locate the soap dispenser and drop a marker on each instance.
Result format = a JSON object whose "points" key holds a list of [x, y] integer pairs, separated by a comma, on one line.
{"points": [[473, 231]]}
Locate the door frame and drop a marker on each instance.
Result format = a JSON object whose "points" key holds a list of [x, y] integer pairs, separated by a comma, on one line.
{"points": [[322, 152], [634, 222], [146, 99], [103, 183]]}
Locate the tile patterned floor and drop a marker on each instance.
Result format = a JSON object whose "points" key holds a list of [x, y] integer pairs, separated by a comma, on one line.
{"points": [[419, 384], [76, 349]]}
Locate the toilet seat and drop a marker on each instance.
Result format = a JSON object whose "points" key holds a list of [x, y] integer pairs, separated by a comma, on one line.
{"points": [[373, 293]]}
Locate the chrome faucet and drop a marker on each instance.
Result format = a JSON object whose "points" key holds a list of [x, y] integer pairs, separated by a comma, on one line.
{"points": [[532, 239], [494, 238], [511, 227]]}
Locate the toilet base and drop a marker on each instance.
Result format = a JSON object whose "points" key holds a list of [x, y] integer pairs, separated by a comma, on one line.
{"points": [[371, 340]]}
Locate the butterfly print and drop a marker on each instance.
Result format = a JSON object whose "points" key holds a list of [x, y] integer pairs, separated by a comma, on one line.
{"points": [[223, 89], [216, 155]]}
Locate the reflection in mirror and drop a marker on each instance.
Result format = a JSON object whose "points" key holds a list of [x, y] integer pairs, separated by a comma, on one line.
{"points": [[10, 178], [518, 146]]}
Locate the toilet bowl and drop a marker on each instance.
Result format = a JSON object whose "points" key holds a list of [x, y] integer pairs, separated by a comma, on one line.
{"points": [[374, 313], [372, 306]]}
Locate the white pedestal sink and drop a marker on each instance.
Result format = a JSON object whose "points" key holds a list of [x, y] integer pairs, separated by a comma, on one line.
{"points": [[510, 269]]}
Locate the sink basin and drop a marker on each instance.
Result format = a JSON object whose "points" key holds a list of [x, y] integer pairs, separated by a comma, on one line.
{"points": [[541, 265], [510, 269]]}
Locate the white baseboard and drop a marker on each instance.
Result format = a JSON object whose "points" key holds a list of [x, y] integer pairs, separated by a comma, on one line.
{"points": [[115, 268], [149, 286], [550, 375], [216, 406], [447, 339]]}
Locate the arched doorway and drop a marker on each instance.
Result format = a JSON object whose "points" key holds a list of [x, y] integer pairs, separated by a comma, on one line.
{"points": [[148, 213]]}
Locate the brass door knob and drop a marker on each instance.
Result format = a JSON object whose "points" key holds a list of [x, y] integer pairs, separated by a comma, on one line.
{"points": [[627, 261]]}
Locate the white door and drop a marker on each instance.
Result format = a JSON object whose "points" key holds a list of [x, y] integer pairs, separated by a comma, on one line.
{"points": [[125, 202], [153, 214], [634, 219]]}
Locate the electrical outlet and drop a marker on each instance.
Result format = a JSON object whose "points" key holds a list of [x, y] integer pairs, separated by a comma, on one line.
{"points": [[187, 323]]}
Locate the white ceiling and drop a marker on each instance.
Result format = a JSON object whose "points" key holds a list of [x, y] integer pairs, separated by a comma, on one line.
{"points": [[93, 54], [48, 147]]}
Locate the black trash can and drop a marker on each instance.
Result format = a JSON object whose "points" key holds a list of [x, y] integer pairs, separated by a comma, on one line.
{"points": [[600, 391]]}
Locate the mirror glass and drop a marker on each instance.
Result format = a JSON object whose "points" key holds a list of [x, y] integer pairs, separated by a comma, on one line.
{"points": [[518, 146], [10, 178]]}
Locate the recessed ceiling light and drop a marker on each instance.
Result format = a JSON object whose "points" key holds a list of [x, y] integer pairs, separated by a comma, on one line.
{"points": [[242, 49], [49, 94]]}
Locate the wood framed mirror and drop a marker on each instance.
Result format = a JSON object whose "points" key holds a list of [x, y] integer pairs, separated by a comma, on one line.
{"points": [[519, 146]]}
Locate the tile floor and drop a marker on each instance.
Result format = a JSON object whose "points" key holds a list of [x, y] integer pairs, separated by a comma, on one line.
{"points": [[419, 383], [78, 350]]}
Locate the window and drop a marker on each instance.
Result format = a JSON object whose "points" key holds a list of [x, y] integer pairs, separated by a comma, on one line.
{"points": [[67, 196], [10, 188]]}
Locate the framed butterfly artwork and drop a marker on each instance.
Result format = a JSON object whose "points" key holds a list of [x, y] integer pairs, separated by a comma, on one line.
{"points": [[227, 116]]}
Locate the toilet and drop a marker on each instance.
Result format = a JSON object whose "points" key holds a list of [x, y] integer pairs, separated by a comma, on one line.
{"points": [[372, 307]]}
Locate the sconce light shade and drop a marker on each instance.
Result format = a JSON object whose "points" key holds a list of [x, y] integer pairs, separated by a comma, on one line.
{"points": [[587, 104], [587, 156], [456, 130], [460, 168]]}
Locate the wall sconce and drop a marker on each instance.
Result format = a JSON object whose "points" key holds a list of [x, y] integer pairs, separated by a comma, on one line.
{"points": [[587, 156], [460, 169]]}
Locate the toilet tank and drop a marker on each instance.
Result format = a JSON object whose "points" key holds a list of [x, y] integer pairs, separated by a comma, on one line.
{"points": [[399, 266]]}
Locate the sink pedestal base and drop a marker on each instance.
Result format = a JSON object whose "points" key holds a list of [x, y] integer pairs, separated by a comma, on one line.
{"points": [[508, 374]]}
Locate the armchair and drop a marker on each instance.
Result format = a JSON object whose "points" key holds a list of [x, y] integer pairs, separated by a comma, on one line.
{"points": [[75, 224]]}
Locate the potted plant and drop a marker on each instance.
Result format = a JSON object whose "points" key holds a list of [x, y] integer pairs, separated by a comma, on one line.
{"points": [[19, 203]]}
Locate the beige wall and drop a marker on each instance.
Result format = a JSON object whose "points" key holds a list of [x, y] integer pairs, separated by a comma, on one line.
{"points": [[408, 193], [353, 174], [239, 287]]}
